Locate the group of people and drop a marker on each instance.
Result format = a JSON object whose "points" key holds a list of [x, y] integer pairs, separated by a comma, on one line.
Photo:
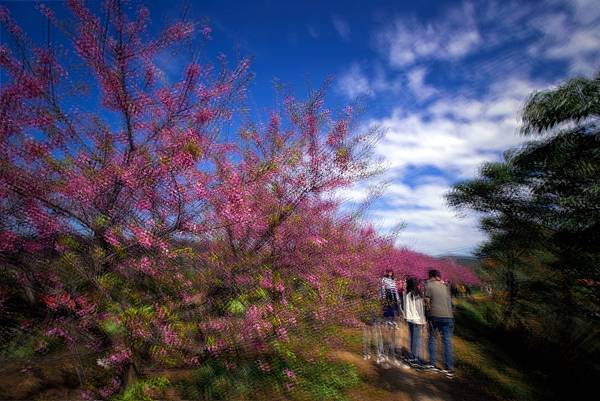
{"points": [[420, 304]]}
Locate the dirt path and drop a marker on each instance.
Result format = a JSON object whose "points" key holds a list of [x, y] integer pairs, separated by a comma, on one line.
{"points": [[398, 384]]}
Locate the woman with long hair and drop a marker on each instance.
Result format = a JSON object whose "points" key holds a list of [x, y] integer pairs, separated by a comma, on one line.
{"points": [[414, 314]]}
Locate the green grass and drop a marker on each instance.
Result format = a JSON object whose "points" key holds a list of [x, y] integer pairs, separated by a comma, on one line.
{"points": [[317, 379], [491, 363], [326, 380], [139, 390]]}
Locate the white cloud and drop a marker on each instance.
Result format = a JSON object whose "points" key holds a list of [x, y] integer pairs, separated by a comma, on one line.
{"points": [[448, 38], [571, 35], [586, 11], [342, 27], [581, 48], [455, 146], [454, 135], [429, 226], [550, 30], [382, 82], [428, 149], [417, 84], [353, 82], [434, 231]]}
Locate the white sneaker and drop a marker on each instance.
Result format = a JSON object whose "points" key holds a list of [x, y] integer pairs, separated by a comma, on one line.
{"points": [[401, 364]]}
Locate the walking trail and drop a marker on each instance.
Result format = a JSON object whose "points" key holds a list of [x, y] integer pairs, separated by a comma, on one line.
{"points": [[398, 384]]}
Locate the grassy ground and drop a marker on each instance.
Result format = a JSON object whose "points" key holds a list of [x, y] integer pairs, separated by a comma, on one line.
{"points": [[487, 369], [495, 367], [489, 366]]}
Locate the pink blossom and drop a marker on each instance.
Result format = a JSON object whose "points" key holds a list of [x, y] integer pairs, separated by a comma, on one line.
{"points": [[111, 388], [178, 32], [282, 333], [111, 238], [8, 241], [116, 359], [188, 218], [142, 237], [206, 31]]}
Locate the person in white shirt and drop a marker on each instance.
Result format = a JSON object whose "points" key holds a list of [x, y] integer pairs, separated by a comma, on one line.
{"points": [[414, 314]]}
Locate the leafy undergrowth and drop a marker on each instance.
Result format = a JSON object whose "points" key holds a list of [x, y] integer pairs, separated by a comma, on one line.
{"points": [[518, 364], [299, 370], [317, 379], [487, 367], [490, 365]]}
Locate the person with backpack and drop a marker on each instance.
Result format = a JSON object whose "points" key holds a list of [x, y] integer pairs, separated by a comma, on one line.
{"points": [[386, 330], [389, 296], [440, 319], [414, 314]]}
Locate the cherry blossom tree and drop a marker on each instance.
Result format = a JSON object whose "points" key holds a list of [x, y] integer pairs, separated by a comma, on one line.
{"points": [[93, 198], [144, 238]]}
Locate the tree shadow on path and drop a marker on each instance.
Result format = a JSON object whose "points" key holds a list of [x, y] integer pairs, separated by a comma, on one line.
{"points": [[395, 383]]}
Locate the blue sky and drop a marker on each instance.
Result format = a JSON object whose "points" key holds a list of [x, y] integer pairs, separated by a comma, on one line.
{"points": [[444, 79]]}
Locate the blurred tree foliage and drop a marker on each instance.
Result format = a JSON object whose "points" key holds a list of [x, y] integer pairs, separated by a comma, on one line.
{"points": [[540, 207]]}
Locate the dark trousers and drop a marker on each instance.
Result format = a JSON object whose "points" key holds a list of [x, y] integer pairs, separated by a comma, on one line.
{"points": [[415, 342], [445, 326]]}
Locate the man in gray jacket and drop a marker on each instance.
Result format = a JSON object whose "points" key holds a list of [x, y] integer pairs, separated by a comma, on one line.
{"points": [[440, 319]]}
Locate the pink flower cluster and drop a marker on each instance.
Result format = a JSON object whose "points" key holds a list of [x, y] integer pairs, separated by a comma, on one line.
{"points": [[111, 388], [60, 332], [157, 210], [116, 359]]}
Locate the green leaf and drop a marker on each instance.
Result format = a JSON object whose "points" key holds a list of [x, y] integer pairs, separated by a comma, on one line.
{"points": [[236, 307]]}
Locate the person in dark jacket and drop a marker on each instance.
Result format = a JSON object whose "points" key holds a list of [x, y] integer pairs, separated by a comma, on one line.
{"points": [[440, 320]]}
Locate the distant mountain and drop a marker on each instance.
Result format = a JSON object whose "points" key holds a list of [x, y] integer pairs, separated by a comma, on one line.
{"points": [[466, 260]]}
